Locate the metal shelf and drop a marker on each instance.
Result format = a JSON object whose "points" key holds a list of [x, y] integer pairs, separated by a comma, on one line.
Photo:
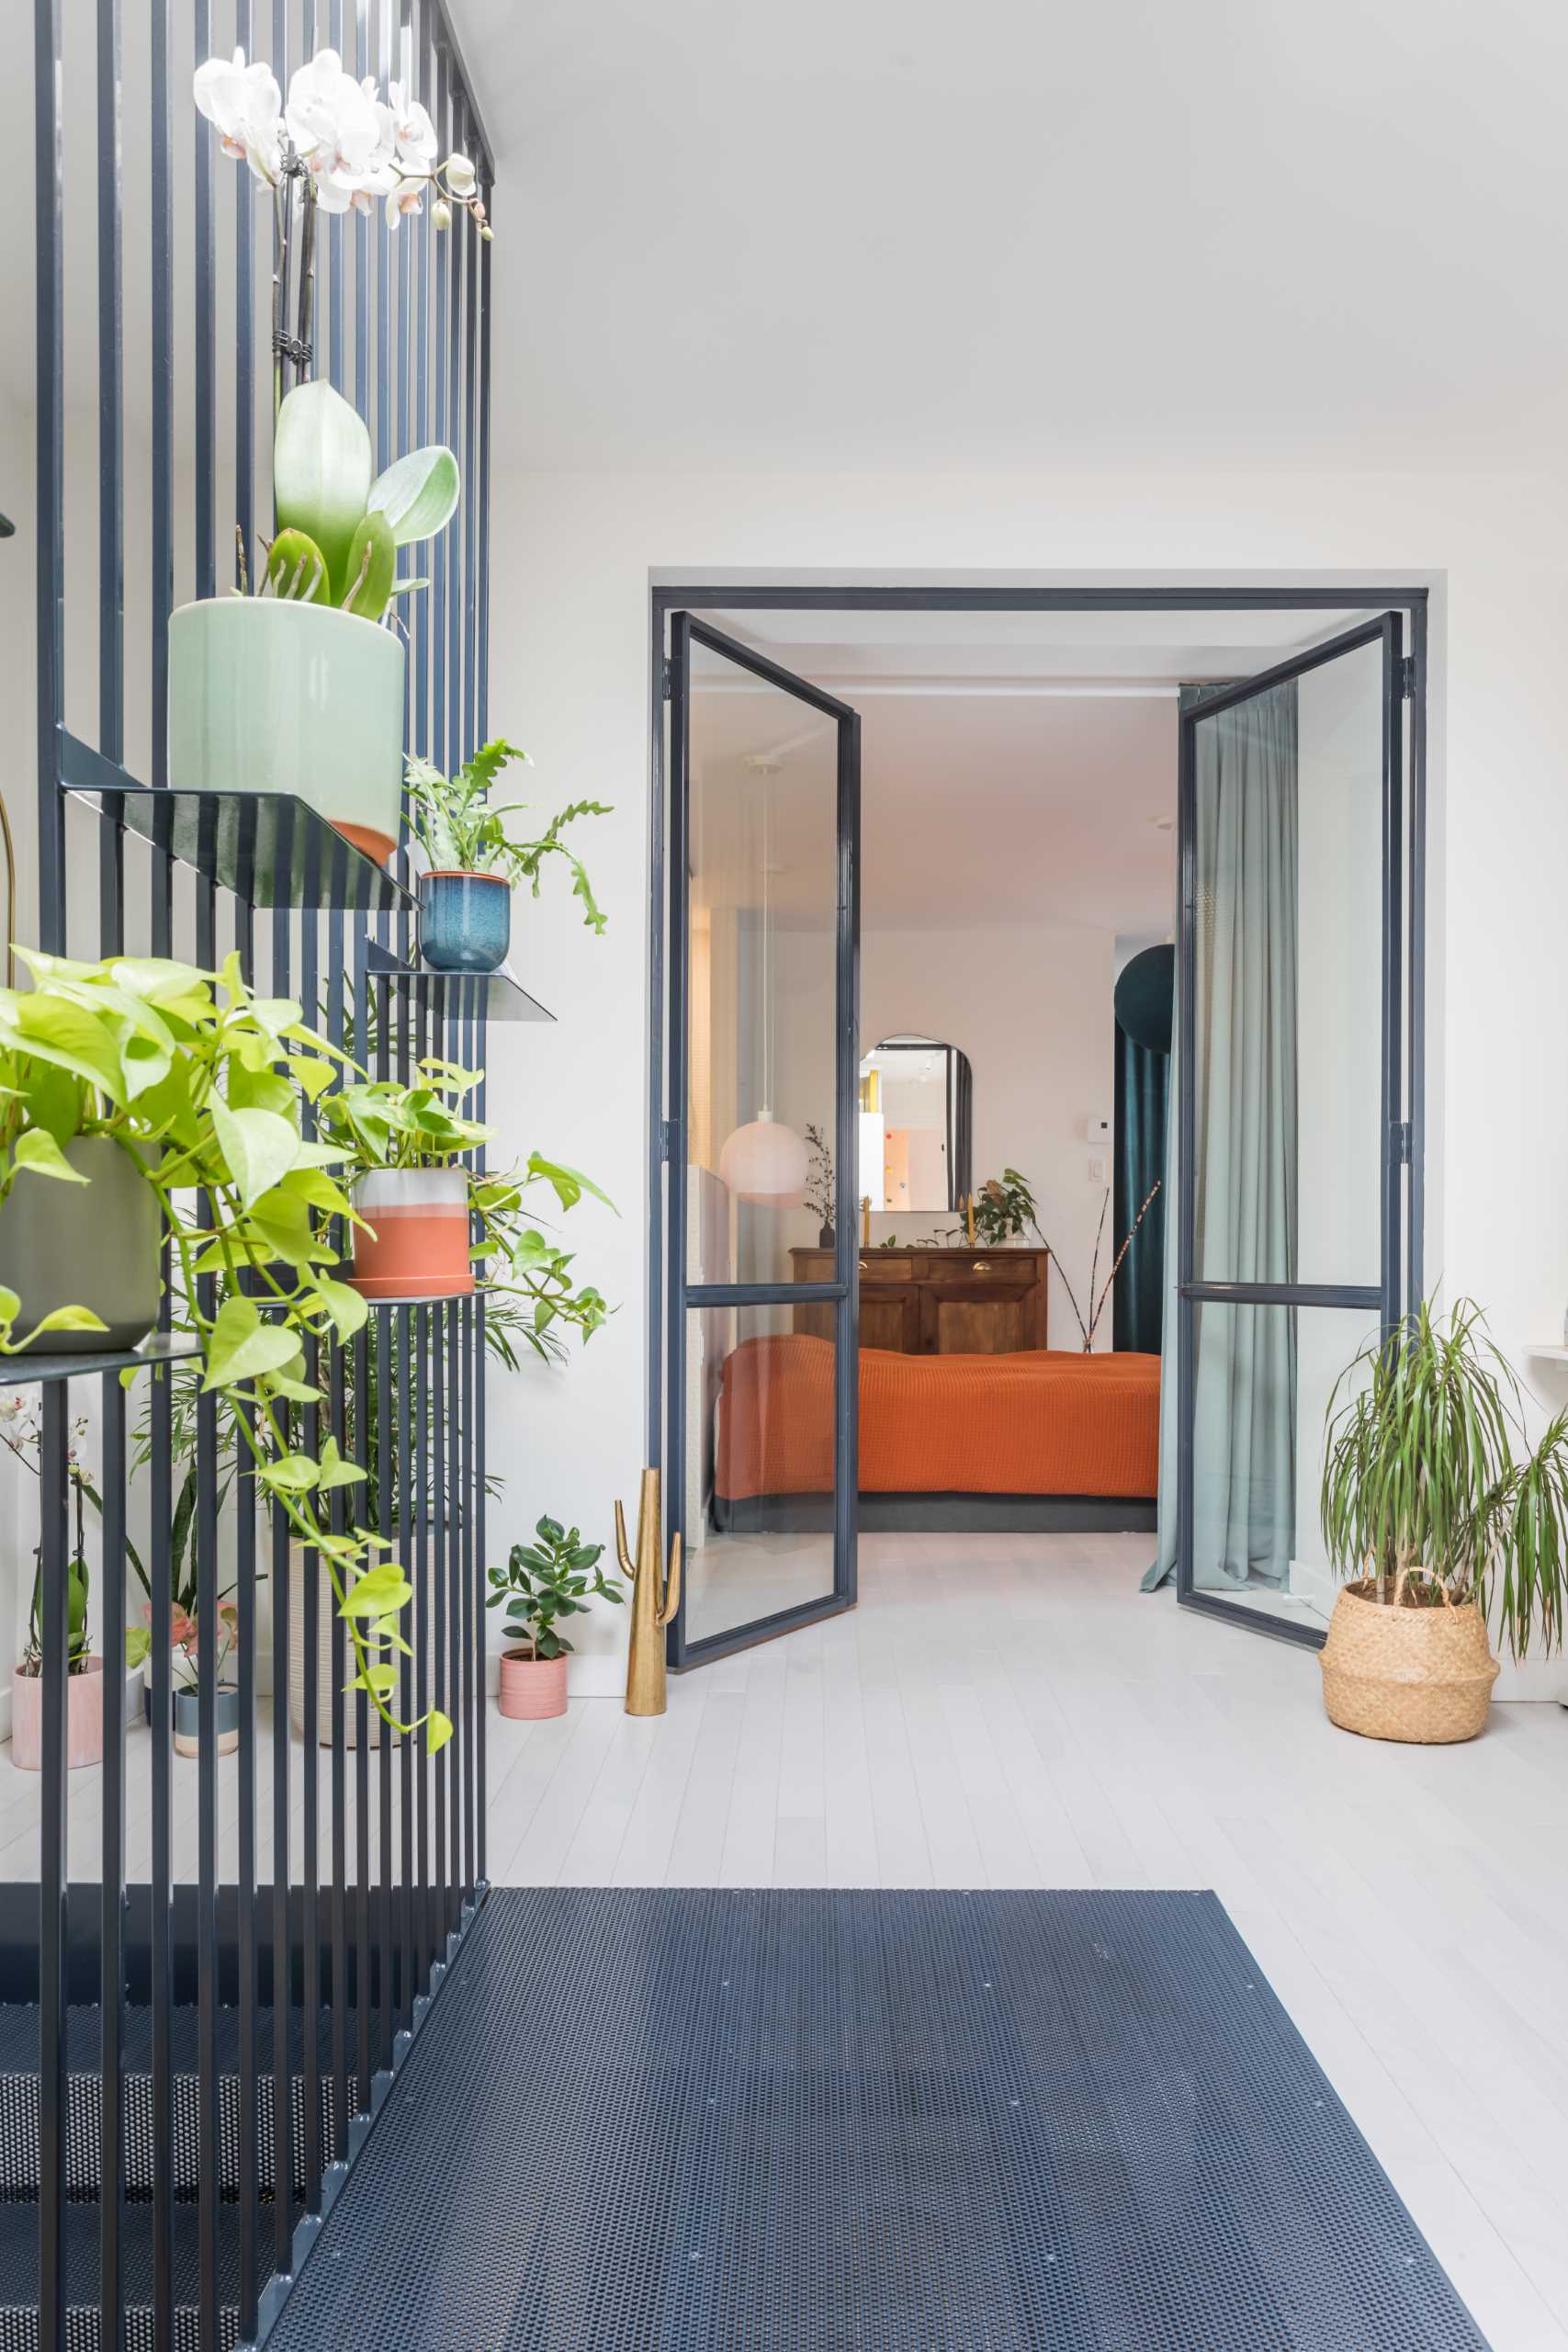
{"points": [[268, 848], [80, 1364], [497, 995]]}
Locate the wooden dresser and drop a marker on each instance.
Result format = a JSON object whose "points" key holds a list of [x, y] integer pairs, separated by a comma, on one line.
{"points": [[937, 1302]]}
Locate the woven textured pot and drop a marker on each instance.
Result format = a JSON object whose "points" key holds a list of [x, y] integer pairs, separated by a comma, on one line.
{"points": [[532, 1687], [1423, 1675], [84, 1718]]}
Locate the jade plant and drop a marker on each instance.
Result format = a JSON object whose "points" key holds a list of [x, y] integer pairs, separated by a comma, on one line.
{"points": [[451, 819], [200, 1082]]}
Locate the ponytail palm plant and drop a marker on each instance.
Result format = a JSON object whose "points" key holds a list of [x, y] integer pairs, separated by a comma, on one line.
{"points": [[1431, 1491]]}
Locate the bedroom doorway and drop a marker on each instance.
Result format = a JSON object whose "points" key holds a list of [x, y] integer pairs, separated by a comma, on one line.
{"points": [[789, 1140]]}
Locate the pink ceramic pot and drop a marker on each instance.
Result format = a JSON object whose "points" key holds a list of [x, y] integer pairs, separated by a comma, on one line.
{"points": [[84, 1718], [532, 1687]]}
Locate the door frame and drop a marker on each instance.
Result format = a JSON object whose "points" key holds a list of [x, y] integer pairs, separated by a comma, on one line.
{"points": [[842, 1294], [1382, 1297], [698, 596]]}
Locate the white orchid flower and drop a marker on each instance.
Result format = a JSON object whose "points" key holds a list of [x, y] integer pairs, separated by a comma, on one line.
{"points": [[405, 198], [461, 175], [441, 213], [244, 105], [412, 131]]}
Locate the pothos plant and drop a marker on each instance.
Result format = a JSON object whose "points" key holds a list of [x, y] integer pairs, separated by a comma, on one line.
{"points": [[451, 819], [383, 1124], [199, 1081]]}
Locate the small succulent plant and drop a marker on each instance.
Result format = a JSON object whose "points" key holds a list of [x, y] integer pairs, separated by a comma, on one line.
{"points": [[339, 528]]}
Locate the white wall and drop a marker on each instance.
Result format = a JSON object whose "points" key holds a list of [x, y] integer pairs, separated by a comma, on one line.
{"points": [[571, 612], [1032, 1010]]}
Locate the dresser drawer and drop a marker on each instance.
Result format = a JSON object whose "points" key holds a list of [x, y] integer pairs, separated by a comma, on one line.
{"points": [[882, 1266], [960, 1269]]}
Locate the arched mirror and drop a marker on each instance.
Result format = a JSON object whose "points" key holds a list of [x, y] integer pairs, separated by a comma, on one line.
{"points": [[916, 1124]]}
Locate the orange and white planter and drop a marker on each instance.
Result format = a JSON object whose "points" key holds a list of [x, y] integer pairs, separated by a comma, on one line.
{"points": [[419, 1245]]}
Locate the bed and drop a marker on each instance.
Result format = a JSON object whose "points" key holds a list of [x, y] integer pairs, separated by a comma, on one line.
{"points": [[1039, 1439]]}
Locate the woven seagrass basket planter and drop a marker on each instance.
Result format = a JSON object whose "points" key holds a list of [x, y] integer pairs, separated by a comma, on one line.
{"points": [[1423, 1675]]}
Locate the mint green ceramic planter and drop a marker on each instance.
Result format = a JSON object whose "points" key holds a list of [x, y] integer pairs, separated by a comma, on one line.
{"points": [[271, 697]]}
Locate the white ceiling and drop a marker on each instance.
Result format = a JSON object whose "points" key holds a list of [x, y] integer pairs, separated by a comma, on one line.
{"points": [[1004, 783], [1028, 233], [1016, 768]]}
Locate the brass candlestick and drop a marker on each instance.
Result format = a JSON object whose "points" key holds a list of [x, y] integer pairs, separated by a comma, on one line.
{"points": [[652, 1608], [865, 1220]]}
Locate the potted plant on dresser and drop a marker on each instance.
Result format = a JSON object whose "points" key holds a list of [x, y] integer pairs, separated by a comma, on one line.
{"points": [[299, 688], [1447, 1520], [473, 862], [557, 1575]]}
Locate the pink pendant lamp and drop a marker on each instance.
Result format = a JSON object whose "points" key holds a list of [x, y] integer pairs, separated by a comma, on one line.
{"points": [[765, 1161]]}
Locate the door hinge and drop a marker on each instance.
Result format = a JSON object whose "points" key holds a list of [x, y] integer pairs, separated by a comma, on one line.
{"points": [[1406, 676], [667, 681], [666, 1138], [1402, 1142]]}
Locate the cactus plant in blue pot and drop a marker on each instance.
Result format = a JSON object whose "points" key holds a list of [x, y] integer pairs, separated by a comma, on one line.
{"points": [[472, 863]]}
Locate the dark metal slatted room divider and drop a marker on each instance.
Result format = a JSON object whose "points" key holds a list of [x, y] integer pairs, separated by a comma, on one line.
{"points": [[247, 2013]]}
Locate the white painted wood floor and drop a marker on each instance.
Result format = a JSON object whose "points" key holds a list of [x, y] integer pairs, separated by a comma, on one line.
{"points": [[1012, 1711]]}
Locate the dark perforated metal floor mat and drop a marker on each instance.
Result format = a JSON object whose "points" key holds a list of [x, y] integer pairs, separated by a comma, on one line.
{"points": [[950, 2122]]}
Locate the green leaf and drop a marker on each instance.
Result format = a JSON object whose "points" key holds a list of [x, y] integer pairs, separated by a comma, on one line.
{"points": [[369, 568], [335, 1471], [294, 1473], [258, 1145], [37, 1150], [321, 471], [437, 1730], [242, 1345], [418, 494], [379, 1592], [138, 1643], [343, 1305], [297, 569], [59, 1318]]}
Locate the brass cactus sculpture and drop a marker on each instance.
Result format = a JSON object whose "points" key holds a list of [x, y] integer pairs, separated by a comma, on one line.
{"points": [[652, 1608]]}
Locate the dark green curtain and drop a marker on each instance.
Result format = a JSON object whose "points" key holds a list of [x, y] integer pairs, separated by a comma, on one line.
{"points": [[1143, 1086]]}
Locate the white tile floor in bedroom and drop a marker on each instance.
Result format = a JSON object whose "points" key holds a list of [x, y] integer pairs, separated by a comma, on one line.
{"points": [[1012, 1711]]}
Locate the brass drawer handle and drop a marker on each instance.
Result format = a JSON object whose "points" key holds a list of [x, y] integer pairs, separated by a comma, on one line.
{"points": [[980, 1267], [864, 1268]]}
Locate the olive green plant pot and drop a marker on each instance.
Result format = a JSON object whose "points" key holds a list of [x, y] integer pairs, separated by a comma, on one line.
{"points": [[85, 1245], [265, 695]]}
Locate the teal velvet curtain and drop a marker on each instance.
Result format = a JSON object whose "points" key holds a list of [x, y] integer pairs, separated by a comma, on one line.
{"points": [[1245, 1013], [1142, 1090]]}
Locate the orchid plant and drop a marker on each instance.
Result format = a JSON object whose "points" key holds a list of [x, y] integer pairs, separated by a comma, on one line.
{"points": [[337, 146]]}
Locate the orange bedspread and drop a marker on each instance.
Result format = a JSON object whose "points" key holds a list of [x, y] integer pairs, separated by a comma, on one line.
{"points": [[1040, 1423]]}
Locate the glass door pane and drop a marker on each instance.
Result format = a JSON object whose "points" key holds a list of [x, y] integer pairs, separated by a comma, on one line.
{"points": [[1288, 1079], [764, 916]]}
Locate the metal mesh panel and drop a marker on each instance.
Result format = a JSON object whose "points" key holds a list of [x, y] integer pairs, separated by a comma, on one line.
{"points": [[778, 2120]]}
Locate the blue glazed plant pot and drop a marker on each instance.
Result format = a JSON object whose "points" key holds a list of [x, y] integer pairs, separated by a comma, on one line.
{"points": [[464, 919]]}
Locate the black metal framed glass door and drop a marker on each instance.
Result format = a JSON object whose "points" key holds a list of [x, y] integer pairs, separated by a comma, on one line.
{"points": [[759, 1145], [1293, 1135]]}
